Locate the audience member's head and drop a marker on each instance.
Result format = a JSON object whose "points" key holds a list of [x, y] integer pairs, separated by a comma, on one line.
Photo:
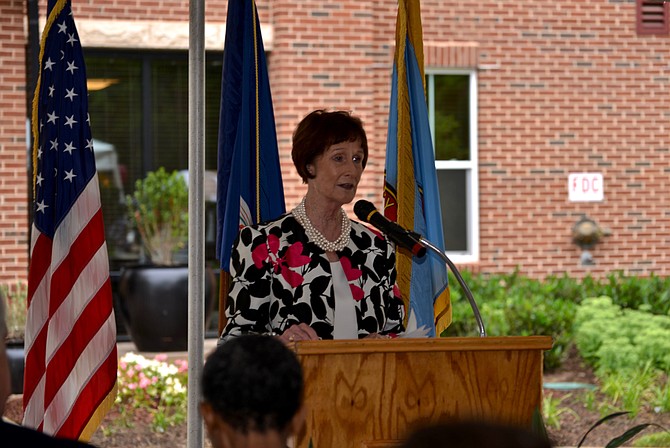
{"points": [[474, 434], [251, 388], [5, 383]]}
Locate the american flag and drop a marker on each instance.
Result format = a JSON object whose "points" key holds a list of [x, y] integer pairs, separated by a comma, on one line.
{"points": [[70, 342]]}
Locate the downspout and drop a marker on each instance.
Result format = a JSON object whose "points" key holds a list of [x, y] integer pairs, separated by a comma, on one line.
{"points": [[32, 70]]}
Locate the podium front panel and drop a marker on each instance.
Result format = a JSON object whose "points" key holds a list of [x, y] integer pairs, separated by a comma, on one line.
{"points": [[371, 393]]}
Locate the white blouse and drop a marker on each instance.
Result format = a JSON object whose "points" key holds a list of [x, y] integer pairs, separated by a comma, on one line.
{"points": [[344, 326]]}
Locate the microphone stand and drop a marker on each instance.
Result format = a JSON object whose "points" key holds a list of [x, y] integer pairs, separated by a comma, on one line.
{"points": [[464, 286]]}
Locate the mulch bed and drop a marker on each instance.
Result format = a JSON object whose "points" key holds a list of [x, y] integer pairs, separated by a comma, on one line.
{"points": [[576, 421], [119, 432]]}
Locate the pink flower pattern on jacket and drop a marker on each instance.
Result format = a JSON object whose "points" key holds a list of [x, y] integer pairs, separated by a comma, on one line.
{"points": [[293, 258], [352, 274], [281, 278]]}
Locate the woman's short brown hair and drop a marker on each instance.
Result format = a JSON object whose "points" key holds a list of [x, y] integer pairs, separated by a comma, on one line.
{"points": [[318, 131]]}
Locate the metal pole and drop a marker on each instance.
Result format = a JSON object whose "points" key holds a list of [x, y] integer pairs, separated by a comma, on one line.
{"points": [[461, 282], [196, 213]]}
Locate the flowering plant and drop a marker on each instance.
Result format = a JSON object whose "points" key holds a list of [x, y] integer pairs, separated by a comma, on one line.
{"points": [[155, 386]]}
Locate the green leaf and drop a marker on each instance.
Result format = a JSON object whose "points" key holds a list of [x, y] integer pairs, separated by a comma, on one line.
{"points": [[600, 422], [537, 424], [626, 436]]}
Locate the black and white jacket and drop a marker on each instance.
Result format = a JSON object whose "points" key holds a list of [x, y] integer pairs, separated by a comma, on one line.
{"points": [[281, 278]]}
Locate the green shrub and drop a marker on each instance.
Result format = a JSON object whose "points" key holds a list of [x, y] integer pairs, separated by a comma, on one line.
{"points": [[655, 439], [661, 400], [159, 209], [511, 304], [613, 339], [535, 315], [553, 408], [630, 350], [632, 389], [650, 293]]}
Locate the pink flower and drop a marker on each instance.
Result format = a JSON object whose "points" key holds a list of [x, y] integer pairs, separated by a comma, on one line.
{"points": [[293, 258], [144, 382], [162, 357], [352, 274], [182, 365]]}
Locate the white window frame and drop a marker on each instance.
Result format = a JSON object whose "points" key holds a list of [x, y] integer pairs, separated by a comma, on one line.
{"points": [[471, 167]]}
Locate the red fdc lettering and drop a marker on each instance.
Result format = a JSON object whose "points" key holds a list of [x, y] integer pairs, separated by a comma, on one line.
{"points": [[594, 184], [586, 187], [588, 184]]}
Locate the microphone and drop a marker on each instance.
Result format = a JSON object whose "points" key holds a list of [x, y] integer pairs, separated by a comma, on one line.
{"points": [[366, 212]]}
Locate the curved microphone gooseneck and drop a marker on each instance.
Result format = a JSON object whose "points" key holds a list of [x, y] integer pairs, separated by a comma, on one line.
{"points": [[415, 243]]}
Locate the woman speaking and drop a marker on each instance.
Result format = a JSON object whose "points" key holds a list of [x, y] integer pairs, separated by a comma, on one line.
{"points": [[313, 273]]}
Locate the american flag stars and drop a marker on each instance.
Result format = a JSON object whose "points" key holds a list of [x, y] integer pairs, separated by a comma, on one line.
{"points": [[69, 94], [63, 102], [70, 121]]}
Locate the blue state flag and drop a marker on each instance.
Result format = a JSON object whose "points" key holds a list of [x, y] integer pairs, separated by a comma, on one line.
{"points": [[249, 183], [411, 194]]}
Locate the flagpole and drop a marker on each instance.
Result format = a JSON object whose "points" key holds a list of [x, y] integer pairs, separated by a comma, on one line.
{"points": [[196, 212]]}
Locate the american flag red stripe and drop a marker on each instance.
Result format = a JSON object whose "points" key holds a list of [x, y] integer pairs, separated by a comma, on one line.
{"points": [[81, 253], [71, 359], [79, 321], [89, 395]]}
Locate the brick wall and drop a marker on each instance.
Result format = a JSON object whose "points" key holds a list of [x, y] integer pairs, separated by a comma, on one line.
{"points": [[332, 55], [14, 238], [575, 90], [563, 87], [568, 87]]}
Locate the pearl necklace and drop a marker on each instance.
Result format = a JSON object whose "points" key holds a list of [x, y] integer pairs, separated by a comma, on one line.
{"points": [[328, 246]]}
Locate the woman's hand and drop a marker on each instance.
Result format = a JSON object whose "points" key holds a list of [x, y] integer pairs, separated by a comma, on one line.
{"points": [[298, 332], [377, 336]]}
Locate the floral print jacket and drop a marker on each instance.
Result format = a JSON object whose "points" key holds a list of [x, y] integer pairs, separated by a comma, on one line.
{"points": [[281, 278]]}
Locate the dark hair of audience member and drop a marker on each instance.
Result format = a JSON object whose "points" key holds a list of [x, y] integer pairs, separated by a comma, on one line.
{"points": [[474, 434], [254, 383]]}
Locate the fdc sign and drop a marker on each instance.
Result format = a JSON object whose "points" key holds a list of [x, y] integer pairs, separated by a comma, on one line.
{"points": [[586, 187]]}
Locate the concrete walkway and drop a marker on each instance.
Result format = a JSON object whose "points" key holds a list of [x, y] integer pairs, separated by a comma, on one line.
{"points": [[125, 347]]}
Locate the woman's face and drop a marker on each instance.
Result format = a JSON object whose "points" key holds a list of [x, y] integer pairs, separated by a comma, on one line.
{"points": [[337, 172]]}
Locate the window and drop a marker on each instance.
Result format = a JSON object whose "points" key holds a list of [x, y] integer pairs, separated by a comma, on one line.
{"points": [[452, 109], [653, 16], [138, 104]]}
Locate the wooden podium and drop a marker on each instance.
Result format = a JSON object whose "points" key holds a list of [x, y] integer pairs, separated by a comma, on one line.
{"points": [[370, 393]]}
